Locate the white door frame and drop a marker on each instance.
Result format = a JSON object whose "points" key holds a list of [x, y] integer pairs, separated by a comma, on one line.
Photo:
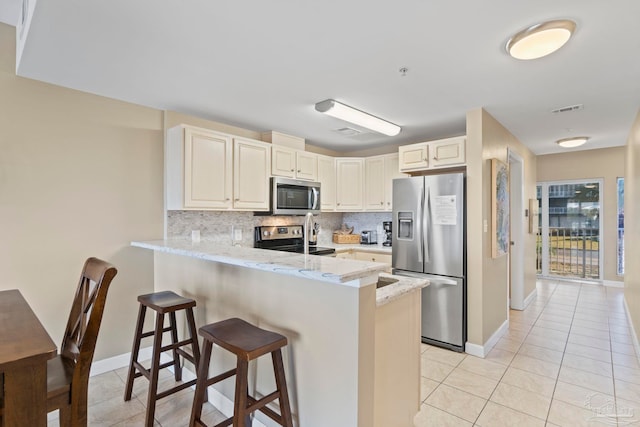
{"points": [[517, 228]]}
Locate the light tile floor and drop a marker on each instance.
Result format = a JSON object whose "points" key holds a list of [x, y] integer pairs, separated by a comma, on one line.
{"points": [[566, 360], [108, 408]]}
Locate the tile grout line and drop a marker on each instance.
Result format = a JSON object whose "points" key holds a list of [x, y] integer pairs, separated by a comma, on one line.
{"points": [[511, 362]]}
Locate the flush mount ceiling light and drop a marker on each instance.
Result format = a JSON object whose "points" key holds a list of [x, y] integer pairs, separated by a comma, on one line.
{"points": [[360, 118], [572, 142], [541, 39]]}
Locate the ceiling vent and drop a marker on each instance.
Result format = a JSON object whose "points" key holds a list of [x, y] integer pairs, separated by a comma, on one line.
{"points": [[347, 131], [568, 108]]}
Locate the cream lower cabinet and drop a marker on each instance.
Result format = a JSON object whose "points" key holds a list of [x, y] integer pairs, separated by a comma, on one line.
{"points": [[327, 179], [349, 184], [251, 165], [373, 257], [198, 169]]}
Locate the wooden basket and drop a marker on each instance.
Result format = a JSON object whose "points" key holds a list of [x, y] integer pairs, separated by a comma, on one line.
{"points": [[346, 238]]}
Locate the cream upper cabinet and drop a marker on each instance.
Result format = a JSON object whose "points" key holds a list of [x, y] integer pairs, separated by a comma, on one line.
{"points": [[375, 184], [414, 156], [306, 166], [380, 171], [198, 169], [327, 179], [283, 161], [391, 172], [447, 152], [433, 154], [251, 165], [349, 184], [293, 163]]}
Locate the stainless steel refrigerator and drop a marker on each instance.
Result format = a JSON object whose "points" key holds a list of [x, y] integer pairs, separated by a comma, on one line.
{"points": [[429, 240]]}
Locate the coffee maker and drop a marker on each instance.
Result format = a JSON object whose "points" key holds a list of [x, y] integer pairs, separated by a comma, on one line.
{"points": [[386, 225]]}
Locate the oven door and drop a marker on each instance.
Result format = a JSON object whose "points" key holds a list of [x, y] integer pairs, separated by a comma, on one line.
{"points": [[294, 197]]}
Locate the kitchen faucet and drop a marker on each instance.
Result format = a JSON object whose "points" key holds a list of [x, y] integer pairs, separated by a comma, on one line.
{"points": [[308, 225]]}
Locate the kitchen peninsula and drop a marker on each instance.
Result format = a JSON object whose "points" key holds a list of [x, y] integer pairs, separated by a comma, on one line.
{"points": [[353, 357]]}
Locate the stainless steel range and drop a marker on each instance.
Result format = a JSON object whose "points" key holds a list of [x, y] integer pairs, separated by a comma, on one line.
{"points": [[288, 238]]}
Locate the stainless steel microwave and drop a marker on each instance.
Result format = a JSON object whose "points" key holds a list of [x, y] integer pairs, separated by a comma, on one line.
{"points": [[294, 196]]}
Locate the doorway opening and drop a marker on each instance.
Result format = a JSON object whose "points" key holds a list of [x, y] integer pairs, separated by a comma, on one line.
{"points": [[569, 243]]}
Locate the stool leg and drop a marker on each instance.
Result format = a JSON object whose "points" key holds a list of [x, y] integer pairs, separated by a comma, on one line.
{"points": [[154, 370], [195, 348], [281, 383], [201, 383], [134, 352], [240, 416], [177, 370]]}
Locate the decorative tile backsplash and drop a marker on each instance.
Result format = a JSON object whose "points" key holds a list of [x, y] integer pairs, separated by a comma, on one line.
{"points": [[217, 225]]}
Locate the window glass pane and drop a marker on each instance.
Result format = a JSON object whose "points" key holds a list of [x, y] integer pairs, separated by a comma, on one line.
{"points": [[620, 188]]}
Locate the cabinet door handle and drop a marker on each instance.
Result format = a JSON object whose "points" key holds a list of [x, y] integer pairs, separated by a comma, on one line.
{"points": [[298, 170], [227, 199], [237, 200], [382, 203], [291, 170], [435, 158], [338, 204]]}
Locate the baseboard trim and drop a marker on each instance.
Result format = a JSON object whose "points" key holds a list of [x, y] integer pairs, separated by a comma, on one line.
{"points": [[634, 336], [613, 283], [117, 362], [483, 350], [530, 297]]}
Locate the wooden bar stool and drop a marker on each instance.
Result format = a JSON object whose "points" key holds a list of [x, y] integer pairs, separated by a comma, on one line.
{"points": [[247, 342], [162, 303]]}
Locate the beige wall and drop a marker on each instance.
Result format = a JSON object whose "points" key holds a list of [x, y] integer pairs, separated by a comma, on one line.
{"points": [[607, 164], [80, 176], [632, 225], [488, 277]]}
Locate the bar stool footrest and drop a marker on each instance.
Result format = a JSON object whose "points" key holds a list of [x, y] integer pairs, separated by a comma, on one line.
{"points": [[220, 377], [175, 389], [259, 405]]}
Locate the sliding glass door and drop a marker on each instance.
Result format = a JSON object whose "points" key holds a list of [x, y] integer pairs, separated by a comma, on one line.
{"points": [[569, 243]]}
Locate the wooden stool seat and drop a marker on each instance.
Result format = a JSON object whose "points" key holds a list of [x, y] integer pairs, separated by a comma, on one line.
{"points": [[166, 302], [247, 342], [162, 303], [242, 339]]}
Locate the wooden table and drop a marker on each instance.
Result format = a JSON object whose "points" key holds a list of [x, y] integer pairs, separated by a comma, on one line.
{"points": [[25, 347]]}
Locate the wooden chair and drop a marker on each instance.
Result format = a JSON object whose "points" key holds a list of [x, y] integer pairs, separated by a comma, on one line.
{"points": [[68, 373]]}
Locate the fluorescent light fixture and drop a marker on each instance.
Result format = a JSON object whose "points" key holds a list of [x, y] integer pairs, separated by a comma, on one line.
{"points": [[541, 39], [576, 141], [357, 117]]}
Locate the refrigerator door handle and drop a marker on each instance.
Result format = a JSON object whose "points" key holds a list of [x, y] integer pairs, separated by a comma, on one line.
{"points": [[419, 227], [425, 223]]}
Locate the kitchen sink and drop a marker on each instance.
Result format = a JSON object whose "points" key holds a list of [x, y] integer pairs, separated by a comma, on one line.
{"points": [[385, 281]]}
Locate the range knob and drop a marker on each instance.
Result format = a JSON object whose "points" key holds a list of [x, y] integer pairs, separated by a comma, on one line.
{"points": [[265, 233]]}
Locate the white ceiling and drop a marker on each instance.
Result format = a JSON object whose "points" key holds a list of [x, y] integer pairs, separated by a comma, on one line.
{"points": [[262, 65]]}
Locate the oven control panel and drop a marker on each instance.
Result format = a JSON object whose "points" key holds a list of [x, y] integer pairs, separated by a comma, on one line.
{"points": [[276, 232]]}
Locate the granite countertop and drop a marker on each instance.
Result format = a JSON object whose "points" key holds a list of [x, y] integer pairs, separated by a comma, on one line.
{"points": [[404, 285], [323, 268]]}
